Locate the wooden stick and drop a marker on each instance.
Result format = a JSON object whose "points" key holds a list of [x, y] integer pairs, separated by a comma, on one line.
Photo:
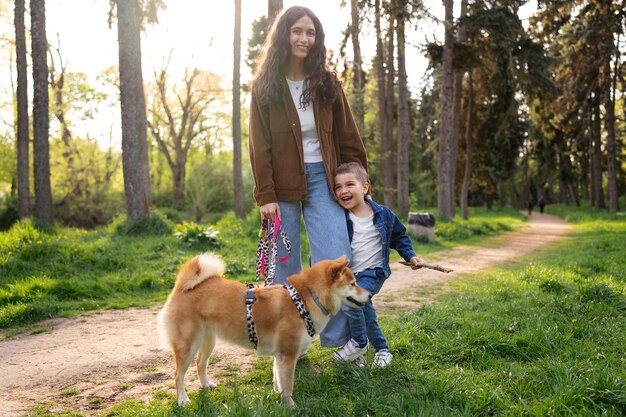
{"points": [[435, 267]]}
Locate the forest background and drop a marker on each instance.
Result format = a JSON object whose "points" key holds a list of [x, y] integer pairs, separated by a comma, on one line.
{"points": [[518, 100]]}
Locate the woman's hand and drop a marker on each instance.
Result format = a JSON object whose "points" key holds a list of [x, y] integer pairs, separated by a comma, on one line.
{"points": [[415, 262], [269, 211]]}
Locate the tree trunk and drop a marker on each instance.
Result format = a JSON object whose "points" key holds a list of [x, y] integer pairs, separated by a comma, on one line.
{"points": [[501, 193], [609, 125], [403, 125], [237, 165], [273, 8], [446, 118], [513, 201], [358, 77], [23, 139], [388, 154], [456, 108], [596, 155], [134, 137], [41, 146], [467, 174], [382, 103]]}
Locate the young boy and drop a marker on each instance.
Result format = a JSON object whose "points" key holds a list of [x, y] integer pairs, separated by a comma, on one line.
{"points": [[373, 230]]}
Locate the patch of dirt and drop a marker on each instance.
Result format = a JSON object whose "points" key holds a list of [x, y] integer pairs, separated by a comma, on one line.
{"points": [[90, 363]]}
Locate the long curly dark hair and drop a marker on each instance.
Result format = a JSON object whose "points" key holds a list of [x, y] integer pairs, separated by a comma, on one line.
{"points": [[269, 79]]}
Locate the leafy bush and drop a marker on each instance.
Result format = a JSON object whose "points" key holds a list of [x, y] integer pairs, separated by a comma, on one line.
{"points": [[8, 213], [155, 224], [193, 233]]}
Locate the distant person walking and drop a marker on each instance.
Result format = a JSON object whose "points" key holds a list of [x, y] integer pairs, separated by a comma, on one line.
{"points": [[542, 203], [529, 205]]}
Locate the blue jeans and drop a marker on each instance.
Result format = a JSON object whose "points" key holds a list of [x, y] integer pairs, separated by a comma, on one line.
{"points": [[324, 220], [358, 324]]}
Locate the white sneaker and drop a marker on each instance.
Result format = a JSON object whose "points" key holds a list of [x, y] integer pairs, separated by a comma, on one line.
{"points": [[350, 352], [382, 358]]}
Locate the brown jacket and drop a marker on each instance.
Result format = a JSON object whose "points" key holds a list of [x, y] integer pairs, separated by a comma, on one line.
{"points": [[275, 144]]}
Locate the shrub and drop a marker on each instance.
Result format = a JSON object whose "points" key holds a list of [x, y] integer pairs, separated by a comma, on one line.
{"points": [[8, 213], [154, 224], [193, 233]]}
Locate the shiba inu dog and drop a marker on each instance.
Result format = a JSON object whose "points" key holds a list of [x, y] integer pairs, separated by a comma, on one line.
{"points": [[278, 320]]}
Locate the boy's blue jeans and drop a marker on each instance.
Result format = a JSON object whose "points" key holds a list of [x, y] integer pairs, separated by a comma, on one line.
{"points": [[359, 324]]}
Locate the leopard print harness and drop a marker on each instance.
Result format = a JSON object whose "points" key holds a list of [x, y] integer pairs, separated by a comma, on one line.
{"points": [[297, 302]]}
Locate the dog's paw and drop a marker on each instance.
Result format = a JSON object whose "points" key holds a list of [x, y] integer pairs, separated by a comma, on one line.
{"points": [[183, 399], [209, 384], [289, 403]]}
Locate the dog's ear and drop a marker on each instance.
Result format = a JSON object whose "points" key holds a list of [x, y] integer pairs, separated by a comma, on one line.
{"points": [[343, 261], [339, 266]]}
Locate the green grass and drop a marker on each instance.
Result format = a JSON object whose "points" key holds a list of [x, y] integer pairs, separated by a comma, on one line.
{"points": [[61, 272], [543, 337]]}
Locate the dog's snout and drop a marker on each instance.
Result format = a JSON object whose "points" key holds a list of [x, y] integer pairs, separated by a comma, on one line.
{"points": [[369, 295]]}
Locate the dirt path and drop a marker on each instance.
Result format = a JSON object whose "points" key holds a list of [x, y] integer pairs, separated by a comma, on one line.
{"points": [[89, 363]]}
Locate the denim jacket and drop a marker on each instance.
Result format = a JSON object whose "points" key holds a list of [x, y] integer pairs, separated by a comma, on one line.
{"points": [[392, 233]]}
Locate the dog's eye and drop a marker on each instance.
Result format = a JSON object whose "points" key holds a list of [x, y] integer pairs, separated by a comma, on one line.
{"points": [[354, 284]]}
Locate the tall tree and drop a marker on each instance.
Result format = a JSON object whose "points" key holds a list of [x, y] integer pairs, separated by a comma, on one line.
{"points": [[403, 116], [358, 75], [456, 107], [41, 146], [385, 140], [446, 210], [383, 120], [23, 135], [237, 152], [273, 8], [387, 146], [135, 165], [175, 123], [469, 153]]}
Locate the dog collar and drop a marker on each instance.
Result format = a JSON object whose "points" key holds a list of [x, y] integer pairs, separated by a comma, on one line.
{"points": [[301, 307], [318, 303]]}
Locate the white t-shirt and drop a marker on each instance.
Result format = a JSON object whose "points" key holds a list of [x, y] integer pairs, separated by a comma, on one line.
{"points": [[310, 140], [367, 244]]}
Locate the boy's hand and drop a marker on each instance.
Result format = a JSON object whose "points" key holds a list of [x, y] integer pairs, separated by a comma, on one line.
{"points": [[415, 262]]}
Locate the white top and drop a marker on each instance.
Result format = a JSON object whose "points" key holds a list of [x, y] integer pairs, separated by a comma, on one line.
{"points": [[367, 245], [310, 140]]}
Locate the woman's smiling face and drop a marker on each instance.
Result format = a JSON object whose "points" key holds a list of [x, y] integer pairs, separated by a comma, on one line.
{"points": [[302, 37]]}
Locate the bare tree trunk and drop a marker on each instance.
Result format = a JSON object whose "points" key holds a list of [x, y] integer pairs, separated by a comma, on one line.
{"points": [[501, 193], [403, 125], [41, 146], [461, 37], [358, 76], [596, 158], [388, 154], [467, 174], [237, 164], [513, 201], [382, 105], [135, 163], [446, 120], [273, 8], [609, 125], [23, 137]]}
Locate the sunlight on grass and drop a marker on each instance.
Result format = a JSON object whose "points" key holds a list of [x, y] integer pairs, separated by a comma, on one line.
{"points": [[540, 337], [62, 272]]}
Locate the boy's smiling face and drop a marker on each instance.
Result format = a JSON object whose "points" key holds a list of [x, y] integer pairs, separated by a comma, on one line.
{"points": [[350, 191]]}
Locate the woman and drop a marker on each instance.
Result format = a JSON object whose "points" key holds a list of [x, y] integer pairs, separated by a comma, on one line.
{"points": [[301, 129]]}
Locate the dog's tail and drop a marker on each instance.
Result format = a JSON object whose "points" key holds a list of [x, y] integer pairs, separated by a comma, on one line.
{"points": [[197, 270], [190, 275]]}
